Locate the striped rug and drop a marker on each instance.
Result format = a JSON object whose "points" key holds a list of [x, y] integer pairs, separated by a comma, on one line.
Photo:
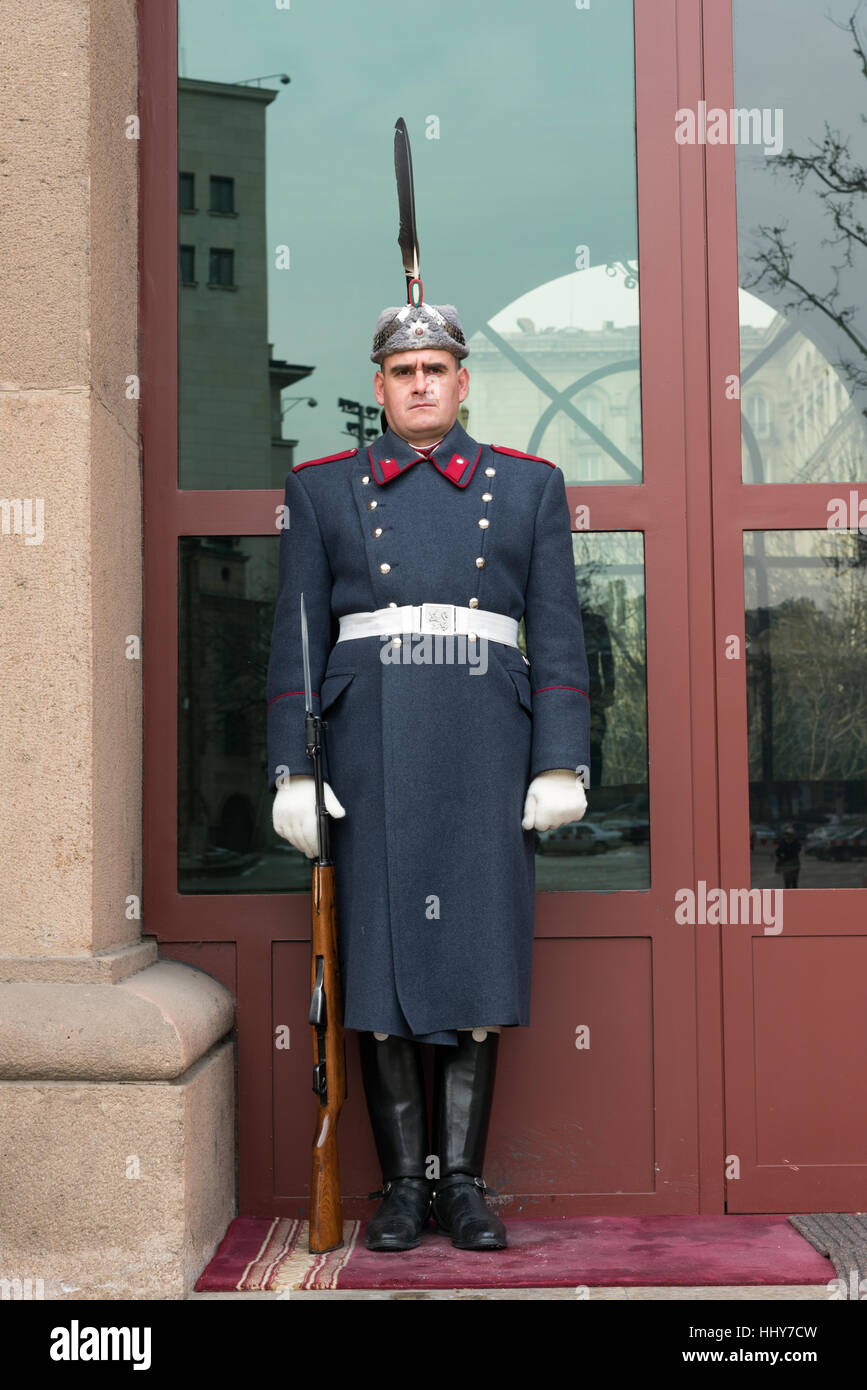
{"points": [[259, 1254]]}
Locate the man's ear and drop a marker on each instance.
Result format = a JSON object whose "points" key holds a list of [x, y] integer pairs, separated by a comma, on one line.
{"points": [[463, 383], [377, 388]]}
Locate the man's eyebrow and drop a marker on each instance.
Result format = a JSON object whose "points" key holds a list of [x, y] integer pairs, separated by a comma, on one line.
{"points": [[427, 366]]}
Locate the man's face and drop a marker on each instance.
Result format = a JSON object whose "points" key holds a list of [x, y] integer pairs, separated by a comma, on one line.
{"points": [[420, 391]]}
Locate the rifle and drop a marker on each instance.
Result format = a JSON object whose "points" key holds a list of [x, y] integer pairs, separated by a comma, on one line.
{"points": [[326, 1005]]}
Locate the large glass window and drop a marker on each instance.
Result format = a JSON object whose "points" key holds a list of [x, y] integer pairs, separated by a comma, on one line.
{"points": [[609, 849], [801, 152], [806, 625], [288, 233], [226, 842], [523, 139]]}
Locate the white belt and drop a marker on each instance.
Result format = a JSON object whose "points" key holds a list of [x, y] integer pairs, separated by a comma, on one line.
{"points": [[430, 618]]}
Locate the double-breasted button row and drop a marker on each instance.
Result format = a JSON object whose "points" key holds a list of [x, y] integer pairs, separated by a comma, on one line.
{"points": [[484, 523]]}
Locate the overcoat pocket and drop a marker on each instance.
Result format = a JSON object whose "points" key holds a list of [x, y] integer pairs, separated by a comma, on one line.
{"points": [[522, 684], [332, 686]]}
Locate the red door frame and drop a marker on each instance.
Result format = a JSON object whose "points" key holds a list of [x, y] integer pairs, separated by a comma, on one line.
{"points": [[686, 985], [794, 1185]]}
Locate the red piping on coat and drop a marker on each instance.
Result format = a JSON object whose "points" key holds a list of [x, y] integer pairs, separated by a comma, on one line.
{"points": [[516, 454], [329, 458], [562, 687], [290, 692]]}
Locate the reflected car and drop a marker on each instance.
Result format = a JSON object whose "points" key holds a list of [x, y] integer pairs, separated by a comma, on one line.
{"points": [[578, 837], [634, 829], [850, 843], [817, 840]]}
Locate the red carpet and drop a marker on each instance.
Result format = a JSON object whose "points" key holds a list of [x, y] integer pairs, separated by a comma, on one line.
{"points": [[652, 1250]]}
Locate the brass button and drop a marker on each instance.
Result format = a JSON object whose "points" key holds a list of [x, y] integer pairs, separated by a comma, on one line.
{"points": [[483, 522], [480, 564], [371, 504], [473, 603], [365, 480], [383, 569], [392, 604], [457, 460], [490, 472], [378, 531], [487, 496]]}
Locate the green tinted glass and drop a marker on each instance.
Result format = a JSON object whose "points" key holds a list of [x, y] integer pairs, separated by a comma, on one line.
{"points": [[523, 139]]}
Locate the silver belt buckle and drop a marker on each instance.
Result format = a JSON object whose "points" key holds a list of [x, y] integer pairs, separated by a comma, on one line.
{"points": [[437, 617]]}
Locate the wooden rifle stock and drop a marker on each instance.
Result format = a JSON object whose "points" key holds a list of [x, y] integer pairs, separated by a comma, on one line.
{"points": [[329, 1072], [326, 1003]]}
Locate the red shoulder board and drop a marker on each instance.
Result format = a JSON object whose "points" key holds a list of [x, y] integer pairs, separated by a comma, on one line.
{"points": [[517, 454], [346, 454]]}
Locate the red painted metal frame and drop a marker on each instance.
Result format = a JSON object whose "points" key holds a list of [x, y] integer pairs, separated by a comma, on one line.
{"points": [[679, 597], [740, 507]]}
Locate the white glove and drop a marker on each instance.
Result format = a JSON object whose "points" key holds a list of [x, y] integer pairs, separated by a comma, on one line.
{"points": [[294, 813], [553, 798]]}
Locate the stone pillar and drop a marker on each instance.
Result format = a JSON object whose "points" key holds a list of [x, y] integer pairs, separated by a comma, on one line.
{"points": [[116, 1069]]}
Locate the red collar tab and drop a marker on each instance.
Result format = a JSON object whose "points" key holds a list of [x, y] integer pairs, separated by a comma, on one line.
{"points": [[329, 458], [517, 454], [458, 470]]}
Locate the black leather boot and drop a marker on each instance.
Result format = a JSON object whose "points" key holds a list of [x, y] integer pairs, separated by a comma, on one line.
{"points": [[394, 1087], [464, 1089]]}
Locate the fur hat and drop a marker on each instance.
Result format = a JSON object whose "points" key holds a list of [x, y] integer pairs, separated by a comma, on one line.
{"points": [[428, 326]]}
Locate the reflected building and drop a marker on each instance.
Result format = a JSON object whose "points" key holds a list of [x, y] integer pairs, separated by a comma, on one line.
{"points": [[568, 391], [798, 421], [597, 369], [230, 436], [230, 411]]}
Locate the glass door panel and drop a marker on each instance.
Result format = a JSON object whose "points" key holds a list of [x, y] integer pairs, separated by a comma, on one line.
{"points": [[801, 150], [806, 625], [288, 226]]}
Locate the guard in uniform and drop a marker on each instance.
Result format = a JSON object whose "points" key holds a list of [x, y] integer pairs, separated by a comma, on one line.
{"points": [[446, 746]]}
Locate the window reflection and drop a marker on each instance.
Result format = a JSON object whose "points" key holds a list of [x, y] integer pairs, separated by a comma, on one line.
{"points": [[288, 220], [558, 371], [609, 849], [806, 626], [799, 424], [801, 244], [227, 842]]}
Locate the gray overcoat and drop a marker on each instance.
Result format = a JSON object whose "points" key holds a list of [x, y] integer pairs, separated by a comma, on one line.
{"points": [[431, 758]]}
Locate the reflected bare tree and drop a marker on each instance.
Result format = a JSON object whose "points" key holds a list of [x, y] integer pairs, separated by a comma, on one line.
{"points": [[839, 180]]}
